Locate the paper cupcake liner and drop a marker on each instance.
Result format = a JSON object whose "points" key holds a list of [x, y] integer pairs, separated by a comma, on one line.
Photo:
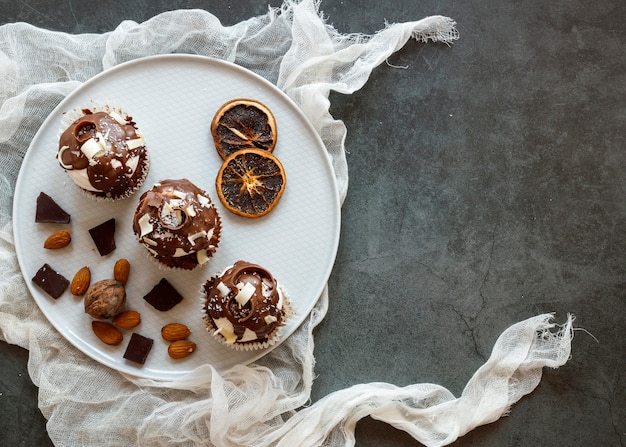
{"points": [[158, 263], [72, 115], [167, 268], [271, 340]]}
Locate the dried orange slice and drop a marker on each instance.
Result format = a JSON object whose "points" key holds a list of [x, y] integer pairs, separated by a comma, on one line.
{"points": [[243, 124], [250, 182]]}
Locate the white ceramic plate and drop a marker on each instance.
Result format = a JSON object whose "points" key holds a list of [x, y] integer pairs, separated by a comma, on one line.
{"points": [[173, 99]]}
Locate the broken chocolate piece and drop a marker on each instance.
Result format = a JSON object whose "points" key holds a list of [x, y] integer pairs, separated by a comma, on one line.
{"points": [[163, 296], [50, 281], [138, 348], [103, 236], [48, 211]]}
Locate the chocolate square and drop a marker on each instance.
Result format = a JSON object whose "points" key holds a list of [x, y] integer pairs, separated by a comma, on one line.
{"points": [[138, 348], [50, 281], [48, 211], [103, 236], [163, 296]]}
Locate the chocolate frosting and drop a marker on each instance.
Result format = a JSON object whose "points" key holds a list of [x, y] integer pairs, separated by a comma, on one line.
{"points": [[178, 223], [117, 168], [261, 314]]}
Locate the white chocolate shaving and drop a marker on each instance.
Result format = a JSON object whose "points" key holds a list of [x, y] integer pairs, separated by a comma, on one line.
{"points": [[190, 211], [266, 287], [91, 148], [60, 157], [244, 295], [225, 329], [117, 117], [133, 162], [223, 289], [204, 201], [167, 209], [179, 194], [269, 319], [135, 143], [202, 256], [149, 241], [195, 236], [279, 305], [144, 225], [103, 140], [230, 337], [116, 164], [180, 253]]}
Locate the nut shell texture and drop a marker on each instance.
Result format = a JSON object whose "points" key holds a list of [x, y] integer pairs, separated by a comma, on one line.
{"points": [[105, 299]]}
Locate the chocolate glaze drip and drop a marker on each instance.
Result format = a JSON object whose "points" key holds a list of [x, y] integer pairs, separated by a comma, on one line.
{"points": [[264, 302], [183, 222], [110, 172]]}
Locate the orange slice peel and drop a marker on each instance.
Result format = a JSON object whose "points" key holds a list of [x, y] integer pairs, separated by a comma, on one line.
{"points": [[250, 182], [243, 124]]}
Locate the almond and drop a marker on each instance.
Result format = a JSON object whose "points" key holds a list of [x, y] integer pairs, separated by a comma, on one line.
{"points": [[107, 333], [175, 331], [127, 319], [121, 270], [58, 239], [81, 281], [181, 349]]}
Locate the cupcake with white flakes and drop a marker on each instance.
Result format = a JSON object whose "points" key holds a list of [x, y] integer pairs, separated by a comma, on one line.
{"points": [[178, 224], [245, 307], [103, 152]]}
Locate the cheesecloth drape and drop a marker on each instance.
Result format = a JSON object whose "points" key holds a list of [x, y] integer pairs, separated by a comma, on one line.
{"points": [[266, 403]]}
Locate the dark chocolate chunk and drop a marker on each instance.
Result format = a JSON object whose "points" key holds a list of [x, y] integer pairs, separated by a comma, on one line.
{"points": [[48, 211], [163, 296], [138, 348], [50, 281], [103, 236]]}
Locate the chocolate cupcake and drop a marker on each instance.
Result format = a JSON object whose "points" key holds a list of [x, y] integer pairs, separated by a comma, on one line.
{"points": [[178, 224], [104, 153], [244, 306]]}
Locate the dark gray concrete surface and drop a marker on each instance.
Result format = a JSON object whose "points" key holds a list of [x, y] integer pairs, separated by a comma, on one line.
{"points": [[487, 185]]}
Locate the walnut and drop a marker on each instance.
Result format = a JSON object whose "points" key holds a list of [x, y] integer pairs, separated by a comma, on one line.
{"points": [[105, 299]]}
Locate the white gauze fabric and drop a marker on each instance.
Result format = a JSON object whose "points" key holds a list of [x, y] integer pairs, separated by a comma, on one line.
{"points": [[266, 403]]}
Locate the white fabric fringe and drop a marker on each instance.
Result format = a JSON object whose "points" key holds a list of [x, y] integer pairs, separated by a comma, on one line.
{"points": [[264, 404]]}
